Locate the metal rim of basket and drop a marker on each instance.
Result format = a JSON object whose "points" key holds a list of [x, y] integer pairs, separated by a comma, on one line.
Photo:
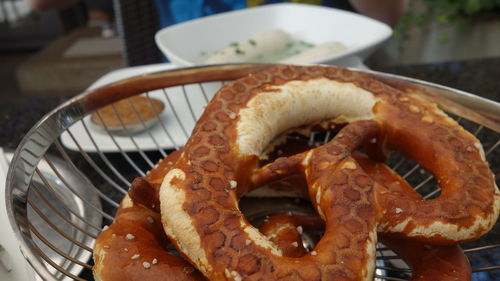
{"points": [[45, 134]]}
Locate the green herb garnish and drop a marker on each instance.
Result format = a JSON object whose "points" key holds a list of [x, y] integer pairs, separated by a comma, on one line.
{"points": [[252, 42], [307, 44], [239, 52], [234, 44]]}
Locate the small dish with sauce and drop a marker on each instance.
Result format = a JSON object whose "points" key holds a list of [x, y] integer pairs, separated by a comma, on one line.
{"points": [[128, 116]]}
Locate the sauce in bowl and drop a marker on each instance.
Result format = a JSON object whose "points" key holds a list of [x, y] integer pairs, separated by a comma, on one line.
{"points": [[128, 116]]}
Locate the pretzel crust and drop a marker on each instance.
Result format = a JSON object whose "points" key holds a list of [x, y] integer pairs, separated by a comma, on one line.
{"points": [[199, 202], [114, 252], [133, 248]]}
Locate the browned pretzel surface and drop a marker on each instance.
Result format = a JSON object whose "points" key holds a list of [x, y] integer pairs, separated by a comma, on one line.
{"points": [[133, 247], [199, 194]]}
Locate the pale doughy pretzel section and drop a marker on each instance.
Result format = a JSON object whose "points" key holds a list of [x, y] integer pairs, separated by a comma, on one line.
{"points": [[296, 103], [182, 223]]}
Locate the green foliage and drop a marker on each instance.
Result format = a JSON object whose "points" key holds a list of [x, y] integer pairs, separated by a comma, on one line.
{"points": [[447, 9], [455, 12]]}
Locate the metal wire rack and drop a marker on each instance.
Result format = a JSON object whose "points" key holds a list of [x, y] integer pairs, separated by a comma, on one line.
{"points": [[66, 178]]}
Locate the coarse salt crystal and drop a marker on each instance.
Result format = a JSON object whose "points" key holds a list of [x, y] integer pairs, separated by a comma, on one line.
{"points": [[146, 265], [300, 229], [233, 184], [236, 275], [105, 228], [399, 210], [314, 253], [150, 219], [414, 109], [129, 236], [295, 244], [155, 261], [134, 257]]}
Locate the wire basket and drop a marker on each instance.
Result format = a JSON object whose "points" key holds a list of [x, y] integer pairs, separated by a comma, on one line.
{"points": [[67, 179]]}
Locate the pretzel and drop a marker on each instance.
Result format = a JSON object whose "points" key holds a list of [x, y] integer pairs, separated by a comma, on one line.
{"points": [[282, 229], [144, 191], [444, 263], [428, 263], [134, 248], [198, 196]]}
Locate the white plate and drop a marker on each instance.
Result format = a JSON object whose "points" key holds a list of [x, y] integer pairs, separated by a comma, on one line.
{"points": [[92, 138], [184, 43]]}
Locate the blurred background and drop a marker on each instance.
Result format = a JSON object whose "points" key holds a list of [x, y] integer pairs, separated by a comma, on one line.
{"points": [[59, 51]]}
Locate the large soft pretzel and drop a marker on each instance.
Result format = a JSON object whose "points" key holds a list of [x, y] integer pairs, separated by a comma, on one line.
{"points": [[127, 250], [134, 246], [114, 252], [199, 194]]}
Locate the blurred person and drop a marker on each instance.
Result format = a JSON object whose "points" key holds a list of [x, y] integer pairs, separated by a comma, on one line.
{"points": [[176, 11], [387, 11]]}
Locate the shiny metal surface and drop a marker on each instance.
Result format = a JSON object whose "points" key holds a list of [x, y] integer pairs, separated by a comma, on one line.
{"points": [[63, 217], [76, 201]]}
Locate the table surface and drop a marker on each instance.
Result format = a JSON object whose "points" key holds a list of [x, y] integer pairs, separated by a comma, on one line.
{"points": [[480, 77]]}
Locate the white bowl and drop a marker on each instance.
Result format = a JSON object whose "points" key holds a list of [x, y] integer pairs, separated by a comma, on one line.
{"points": [[184, 43]]}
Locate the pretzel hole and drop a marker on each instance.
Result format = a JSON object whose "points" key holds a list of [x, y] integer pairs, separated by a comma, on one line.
{"points": [[285, 146], [419, 178], [300, 140], [388, 263], [258, 210]]}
